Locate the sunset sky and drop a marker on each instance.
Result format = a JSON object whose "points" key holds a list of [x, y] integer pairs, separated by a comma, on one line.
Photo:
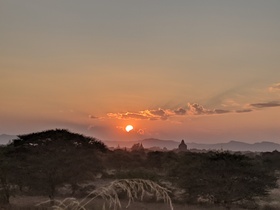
{"points": [[200, 70]]}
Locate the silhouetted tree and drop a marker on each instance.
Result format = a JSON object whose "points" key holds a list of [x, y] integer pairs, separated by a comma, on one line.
{"points": [[222, 178], [6, 184], [271, 160], [59, 137], [57, 157], [11, 173], [137, 147]]}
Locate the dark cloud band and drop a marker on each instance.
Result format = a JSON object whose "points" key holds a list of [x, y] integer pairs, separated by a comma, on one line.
{"points": [[266, 105]]}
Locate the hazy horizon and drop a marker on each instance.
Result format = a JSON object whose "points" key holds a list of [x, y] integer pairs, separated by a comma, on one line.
{"points": [[205, 71], [151, 138], [153, 144]]}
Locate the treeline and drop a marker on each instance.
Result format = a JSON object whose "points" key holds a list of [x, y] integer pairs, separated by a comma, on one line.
{"points": [[220, 178], [41, 163]]}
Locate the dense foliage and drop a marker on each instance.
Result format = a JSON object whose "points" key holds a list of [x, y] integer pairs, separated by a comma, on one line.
{"points": [[222, 178], [44, 161], [41, 163]]}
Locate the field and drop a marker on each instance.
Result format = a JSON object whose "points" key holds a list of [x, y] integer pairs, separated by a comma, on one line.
{"points": [[30, 202], [208, 180], [272, 202]]}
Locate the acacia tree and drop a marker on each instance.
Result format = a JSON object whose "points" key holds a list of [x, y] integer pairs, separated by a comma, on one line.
{"points": [[12, 172], [222, 178], [271, 160], [5, 177], [56, 157]]}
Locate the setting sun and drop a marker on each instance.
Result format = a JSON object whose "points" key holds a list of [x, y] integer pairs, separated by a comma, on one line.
{"points": [[128, 128]]}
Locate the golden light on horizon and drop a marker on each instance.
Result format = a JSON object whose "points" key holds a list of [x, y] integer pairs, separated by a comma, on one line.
{"points": [[128, 128]]}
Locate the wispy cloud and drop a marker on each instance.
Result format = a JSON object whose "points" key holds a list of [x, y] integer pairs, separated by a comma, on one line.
{"points": [[266, 104], [164, 114], [274, 87], [158, 114], [226, 95], [180, 111], [154, 114], [221, 111], [224, 105], [192, 109], [244, 110], [93, 117], [130, 115], [197, 109], [230, 103]]}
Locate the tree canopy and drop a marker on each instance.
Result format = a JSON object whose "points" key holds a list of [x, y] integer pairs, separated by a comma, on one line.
{"points": [[56, 157], [43, 162], [59, 137], [222, 178]]}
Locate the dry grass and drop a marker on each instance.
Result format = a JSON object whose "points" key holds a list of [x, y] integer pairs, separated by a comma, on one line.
{"points": [[272, 202], [29, 202], [135, 189]]}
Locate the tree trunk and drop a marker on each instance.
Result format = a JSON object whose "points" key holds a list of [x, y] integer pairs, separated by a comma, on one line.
{"points": [[5, 197], [51, 200], [51, 196]]}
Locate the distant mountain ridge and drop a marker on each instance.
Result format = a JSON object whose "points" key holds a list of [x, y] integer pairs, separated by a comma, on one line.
{"points": [[4, 138], [264, 146]]}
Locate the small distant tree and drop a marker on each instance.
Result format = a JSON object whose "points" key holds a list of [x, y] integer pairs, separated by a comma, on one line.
{"points": [[137, 147]]}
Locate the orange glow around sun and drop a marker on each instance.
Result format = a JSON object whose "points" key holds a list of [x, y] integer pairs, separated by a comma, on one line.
{"points": [[128, 128]]}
